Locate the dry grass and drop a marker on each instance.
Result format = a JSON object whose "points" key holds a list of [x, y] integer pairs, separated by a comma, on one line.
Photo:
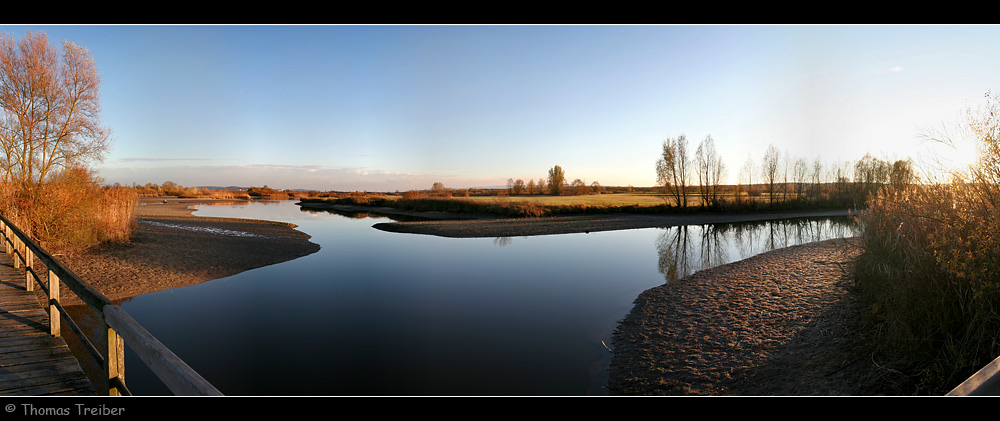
{"points": [[930, 270], [70, 212], [550, 205]]}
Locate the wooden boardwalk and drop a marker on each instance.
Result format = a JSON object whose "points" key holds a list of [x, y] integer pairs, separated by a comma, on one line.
{"points": [[32, 362]]}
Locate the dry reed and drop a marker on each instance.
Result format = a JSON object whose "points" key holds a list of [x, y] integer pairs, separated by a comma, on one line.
{"points": [[70, 212]]}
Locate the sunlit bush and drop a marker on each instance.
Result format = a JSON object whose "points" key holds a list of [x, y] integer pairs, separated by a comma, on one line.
{"points": [[930, 270], [70, 212]]}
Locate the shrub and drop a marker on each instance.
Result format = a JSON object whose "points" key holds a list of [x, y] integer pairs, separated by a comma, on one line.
{"points": [[930, 271], [70, 212]]}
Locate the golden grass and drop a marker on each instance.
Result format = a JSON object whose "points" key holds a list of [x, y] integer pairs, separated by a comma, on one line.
{"points": [[70, 212], [600, 200], [616, 200], [930, 271]]}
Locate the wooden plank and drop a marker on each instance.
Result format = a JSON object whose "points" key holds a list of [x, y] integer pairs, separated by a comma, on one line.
{"points": [[32, 362]]}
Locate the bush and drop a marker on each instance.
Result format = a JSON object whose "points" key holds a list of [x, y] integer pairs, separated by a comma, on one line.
{"points": [[70, 212], [930, 271]]}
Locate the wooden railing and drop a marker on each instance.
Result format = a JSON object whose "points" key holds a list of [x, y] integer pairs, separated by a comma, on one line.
{"points": [[986, 382], [116, 325]]}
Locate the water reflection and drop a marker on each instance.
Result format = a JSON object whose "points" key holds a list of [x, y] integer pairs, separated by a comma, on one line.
{"points": [[357, 214], [427, 315], [685, 250], [502, 241]]}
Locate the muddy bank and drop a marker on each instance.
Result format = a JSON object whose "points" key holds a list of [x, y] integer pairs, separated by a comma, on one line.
{"points": [[785, 322], [171, 248], [517, 227]]}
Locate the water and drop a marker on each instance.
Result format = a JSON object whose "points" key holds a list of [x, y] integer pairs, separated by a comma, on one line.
{"points": [[377, 313]]}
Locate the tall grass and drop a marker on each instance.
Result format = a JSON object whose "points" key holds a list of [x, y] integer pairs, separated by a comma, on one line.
{"points": [[930, 271], [70, 212]]}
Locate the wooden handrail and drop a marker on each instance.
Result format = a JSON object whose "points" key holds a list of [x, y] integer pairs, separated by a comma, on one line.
{"points": [[985, 382], [119, 326]]}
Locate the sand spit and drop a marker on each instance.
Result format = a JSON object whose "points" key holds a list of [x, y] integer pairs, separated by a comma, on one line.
{"points": [[518, 227], [171, 248], [782, 323]]}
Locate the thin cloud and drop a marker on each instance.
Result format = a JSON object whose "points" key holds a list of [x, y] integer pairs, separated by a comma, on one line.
{"points": [[164, 159], [279, 175]]}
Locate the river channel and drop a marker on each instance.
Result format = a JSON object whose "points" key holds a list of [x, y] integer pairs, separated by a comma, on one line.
{"points": [[388, 314]]}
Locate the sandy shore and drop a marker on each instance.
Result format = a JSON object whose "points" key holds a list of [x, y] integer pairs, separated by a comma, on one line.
{"points": [[780, 323], [171, 248]]}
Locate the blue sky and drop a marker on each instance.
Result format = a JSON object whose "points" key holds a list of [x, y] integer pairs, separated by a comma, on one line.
{"points": [[386, 108]]}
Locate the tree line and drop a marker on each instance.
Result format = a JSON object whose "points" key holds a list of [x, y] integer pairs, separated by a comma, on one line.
{"points": [[780, 178], [555, 184]]}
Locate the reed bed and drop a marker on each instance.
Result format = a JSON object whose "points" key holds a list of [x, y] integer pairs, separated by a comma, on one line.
{"points": [[930, 272], [70, 212]]}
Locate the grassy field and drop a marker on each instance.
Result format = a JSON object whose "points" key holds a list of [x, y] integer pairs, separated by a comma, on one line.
{"points": [[548, 205], [614, 200], [595, 200]]}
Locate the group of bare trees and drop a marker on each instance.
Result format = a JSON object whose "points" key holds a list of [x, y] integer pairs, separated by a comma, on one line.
{"points": [[782, 177], [673, 169], [555, 184], [519, 187], [49, 108]]}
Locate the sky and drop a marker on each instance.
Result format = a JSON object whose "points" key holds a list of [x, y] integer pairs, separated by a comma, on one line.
{"points": [[394, 108]]}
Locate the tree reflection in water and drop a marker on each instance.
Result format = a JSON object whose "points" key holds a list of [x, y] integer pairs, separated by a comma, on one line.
{"points": [[684, 250]]}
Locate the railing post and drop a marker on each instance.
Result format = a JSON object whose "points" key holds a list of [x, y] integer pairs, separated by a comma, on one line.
{"points": [[29, 284], [54, 320], [115, 360], [17, 250]]}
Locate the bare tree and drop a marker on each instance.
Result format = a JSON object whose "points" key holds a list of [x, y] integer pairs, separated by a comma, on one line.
{"points": [[800, 175], [816, 174], [746, 178], [518, 186], [785, 185], [901, 174], [50, 105], [710, 170], [746, 173], [596, 187], [717, 172], [870, 173], [672, 169], [556, 179], [769, 171], [702, 159]]}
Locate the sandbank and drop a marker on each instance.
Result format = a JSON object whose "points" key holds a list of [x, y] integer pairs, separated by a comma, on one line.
{"points": [[519, 227], [171, 248], [782, 323]]}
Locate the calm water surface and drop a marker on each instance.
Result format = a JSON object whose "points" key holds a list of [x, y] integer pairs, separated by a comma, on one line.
{"points": [[377, 313]]}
